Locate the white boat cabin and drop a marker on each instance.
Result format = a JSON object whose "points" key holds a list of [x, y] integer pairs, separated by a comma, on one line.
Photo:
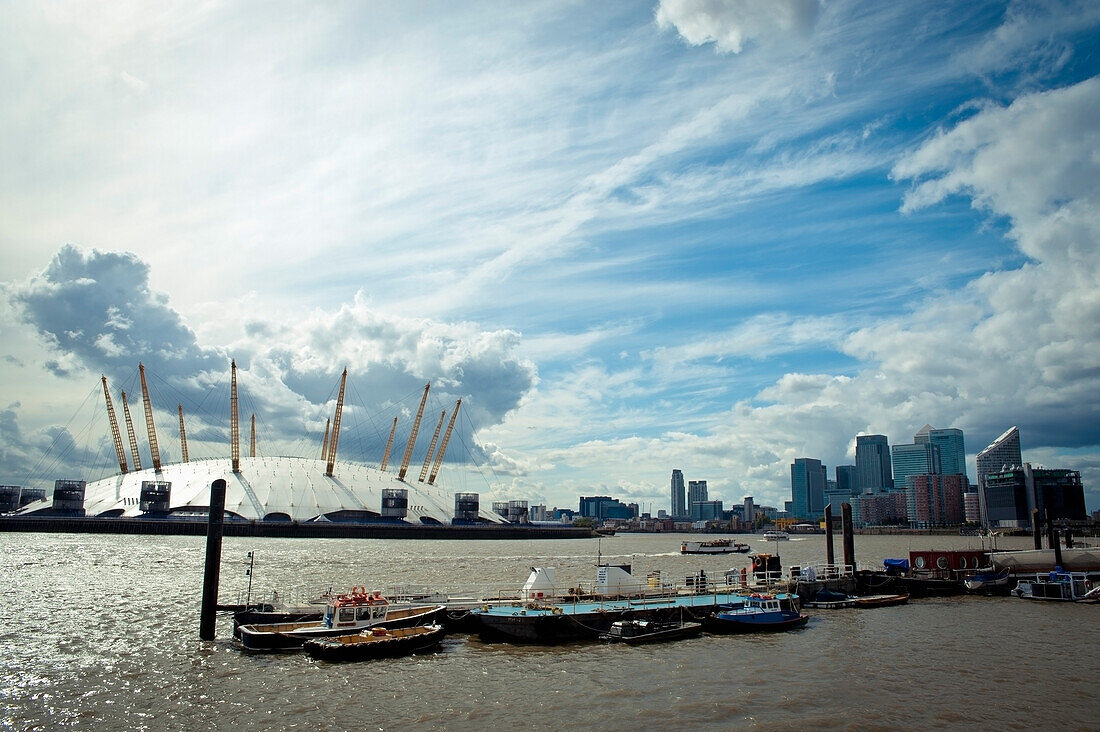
{"points": [[356, 609]]}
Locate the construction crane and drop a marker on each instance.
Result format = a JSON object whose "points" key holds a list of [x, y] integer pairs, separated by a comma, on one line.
{"points": [[443, 446], [412, 435], [119, 449]]}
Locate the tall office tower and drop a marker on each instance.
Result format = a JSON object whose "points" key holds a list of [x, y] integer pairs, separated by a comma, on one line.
{"points": [[950, 442], [749, 514], [873, 464], [846, 479], [1002, 454], [697, 493], [921, 458], [807, 488], [679, 508]]}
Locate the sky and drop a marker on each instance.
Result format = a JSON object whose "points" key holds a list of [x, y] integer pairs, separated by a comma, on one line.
{"points": [[709, 235]]}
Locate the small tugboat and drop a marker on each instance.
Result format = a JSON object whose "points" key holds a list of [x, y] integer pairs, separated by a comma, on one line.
{"points": [[714, 546], [344, 614], [757, 613], [636, 632], [376, 642]]}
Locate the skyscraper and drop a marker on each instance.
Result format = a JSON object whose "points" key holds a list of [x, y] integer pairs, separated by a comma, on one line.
{"points": [[950, 442], [1002, 454], [697, 493], [807, 488], [873, 471], [679, 508], [921, 458], [846, 479]]}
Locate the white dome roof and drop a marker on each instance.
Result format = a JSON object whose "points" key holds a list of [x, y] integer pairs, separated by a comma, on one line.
{"points": [[274, 487]]}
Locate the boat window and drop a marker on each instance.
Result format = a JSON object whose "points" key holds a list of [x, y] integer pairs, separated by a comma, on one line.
{"points": [[962, 562], [347, 615], [974, 562], [942, 562], [920, 562]]}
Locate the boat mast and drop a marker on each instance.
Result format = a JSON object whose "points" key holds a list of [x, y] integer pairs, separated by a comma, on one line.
{"points": [[389, 446], [235, 430], [431, 447], [154, 449], [443, 446], [119, 450], [183, 436], [336, 425], [130, 432], [412, 435]]}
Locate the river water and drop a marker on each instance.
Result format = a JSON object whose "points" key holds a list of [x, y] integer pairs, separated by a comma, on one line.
{"points": [[101, 632]]}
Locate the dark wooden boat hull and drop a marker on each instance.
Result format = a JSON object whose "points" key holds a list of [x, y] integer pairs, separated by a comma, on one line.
{"points": [[687, 630], [257, 638], [366, 648]]}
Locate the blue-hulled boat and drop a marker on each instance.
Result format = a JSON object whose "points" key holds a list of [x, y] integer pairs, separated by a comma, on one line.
{"points": [[757, 613]]}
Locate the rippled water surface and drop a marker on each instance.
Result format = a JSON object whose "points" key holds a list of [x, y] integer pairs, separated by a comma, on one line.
{"points": [[101, 632]]}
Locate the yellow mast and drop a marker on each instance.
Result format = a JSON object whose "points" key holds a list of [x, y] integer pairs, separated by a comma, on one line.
{"points": [[431, 447], [252, 446], [119, 449], [234, 427], [389, 446], [183, 435], [412, 435], [130, 433], [443, 446], [154, 449], [324, 444], [336, 426]]}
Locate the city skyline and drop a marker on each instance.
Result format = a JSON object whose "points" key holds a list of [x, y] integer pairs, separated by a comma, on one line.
{"points": [[630, 236]]}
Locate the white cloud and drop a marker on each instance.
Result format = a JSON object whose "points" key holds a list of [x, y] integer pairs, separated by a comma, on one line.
{"points": [[729, 24]]}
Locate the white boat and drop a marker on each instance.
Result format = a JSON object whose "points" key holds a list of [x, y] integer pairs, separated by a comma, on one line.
{"points": [[776, 536], [1056, 585], [344, 615], [714, 546]]}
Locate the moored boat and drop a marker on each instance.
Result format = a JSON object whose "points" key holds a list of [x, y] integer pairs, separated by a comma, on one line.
{"points": [[989, 581], [375, 642], [756, 613], [1057, 585], [636, 632], [345, 614], [776, 536], [714, 546]]}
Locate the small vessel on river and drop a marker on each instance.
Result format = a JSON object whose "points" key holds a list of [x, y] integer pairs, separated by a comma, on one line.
{"points": [[776, 536], [757, 613], [345, 614], [1057, 585], [375, 642], [636, 632], [714, 546]]}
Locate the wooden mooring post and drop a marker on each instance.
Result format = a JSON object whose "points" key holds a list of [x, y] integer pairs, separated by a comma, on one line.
{"points": [[212, 571]]}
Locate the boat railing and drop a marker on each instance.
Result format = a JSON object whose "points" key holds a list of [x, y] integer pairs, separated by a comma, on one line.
{"points": [[819, 572]]}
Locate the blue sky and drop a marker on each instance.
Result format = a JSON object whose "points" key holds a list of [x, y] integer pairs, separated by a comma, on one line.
{"points": [[636, 236]]}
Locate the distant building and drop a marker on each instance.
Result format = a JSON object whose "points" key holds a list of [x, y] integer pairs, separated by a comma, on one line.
{"points": [[880, 509], [1012, 495], [706, 510], [538, 512], [920, 458], [748, 513], [936, 500], [604, 507], [697, 491], [971, 507], [846, 479], [679, 501], [807, 488], [1002, 454], [950, 443], [873, 471]]}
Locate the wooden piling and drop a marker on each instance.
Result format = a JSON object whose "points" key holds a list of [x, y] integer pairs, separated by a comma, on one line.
{"points": [[830, 557], [849, 537], [1036, 531], [212, 571]]}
